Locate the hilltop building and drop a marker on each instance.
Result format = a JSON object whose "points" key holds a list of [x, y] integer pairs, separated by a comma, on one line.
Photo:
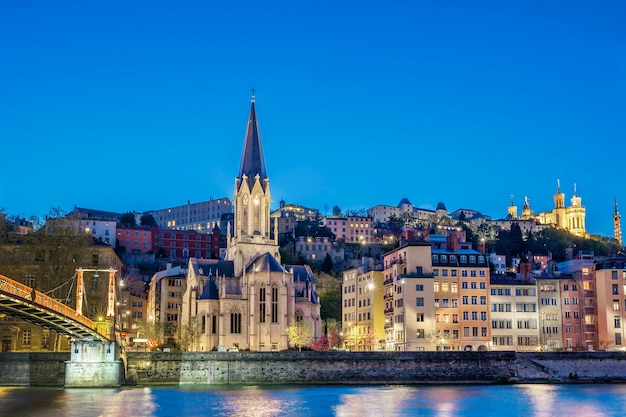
{"points": [[571, 218]]}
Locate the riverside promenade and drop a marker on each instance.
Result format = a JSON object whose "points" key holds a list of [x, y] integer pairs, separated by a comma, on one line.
{"points": [[265, 368]]}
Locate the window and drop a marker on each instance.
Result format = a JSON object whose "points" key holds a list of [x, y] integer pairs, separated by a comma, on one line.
{"points": [[235, 321], [483, 315], [615, 289], [616, 322], [615, 305], [465, 299], [474, 299], [474, 315], [419, 287], [420, 333], [262, 305], [618, 338], [420, 317], [26, 337], [274, 305], [214, 323], [419, 301]]}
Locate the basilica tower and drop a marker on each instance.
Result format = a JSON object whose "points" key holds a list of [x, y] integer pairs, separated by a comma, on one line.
{"points": [[617, 225], [251, 234]]}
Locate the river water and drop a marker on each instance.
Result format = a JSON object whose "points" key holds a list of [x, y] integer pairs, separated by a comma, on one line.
{"points": [[379, 401]]}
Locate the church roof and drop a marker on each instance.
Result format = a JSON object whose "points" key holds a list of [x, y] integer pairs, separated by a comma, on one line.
{"points": [[213, 267], [252, 162], [301, 273], [264, 263], [210, 291], [403, 202], [441, 206]]}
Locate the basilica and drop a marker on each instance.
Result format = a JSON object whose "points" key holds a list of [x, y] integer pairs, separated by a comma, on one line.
{"points": [[249, 299], [571, 218]]}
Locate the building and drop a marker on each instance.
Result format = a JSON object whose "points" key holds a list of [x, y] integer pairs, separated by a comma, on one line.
{"points": [[315, 249], [570, 218], [249, 299], [610, 280], [183, 244], [409, 298], [299, 212], [201, 217], [581, 269], [136, 239], [352, 229], [101, 225], [164, 301], [363, 309], [514, 314]]}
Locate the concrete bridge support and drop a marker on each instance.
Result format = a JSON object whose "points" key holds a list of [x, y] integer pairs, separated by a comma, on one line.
{"points": [[94, 364]]}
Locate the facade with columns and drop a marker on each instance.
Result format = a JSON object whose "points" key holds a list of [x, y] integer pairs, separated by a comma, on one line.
{"points": [[570, 218], [249, 299]]}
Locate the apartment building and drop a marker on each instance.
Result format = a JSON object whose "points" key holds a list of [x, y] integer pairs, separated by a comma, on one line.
{"points": [[610, 279], [363, 309], [514, 314]]}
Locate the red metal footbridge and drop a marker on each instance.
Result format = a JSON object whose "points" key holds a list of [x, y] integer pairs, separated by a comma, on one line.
{"points": [[21, 301]]}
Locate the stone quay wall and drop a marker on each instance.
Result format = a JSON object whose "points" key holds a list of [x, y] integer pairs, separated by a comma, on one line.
{"points": [[372, 367], [264, 368], [33, 368]]}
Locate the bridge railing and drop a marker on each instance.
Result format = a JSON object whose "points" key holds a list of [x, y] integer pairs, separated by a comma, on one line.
{"points": [[28, 294]]}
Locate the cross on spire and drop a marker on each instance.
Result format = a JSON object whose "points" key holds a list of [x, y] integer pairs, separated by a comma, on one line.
{"points": [[253, 91]]}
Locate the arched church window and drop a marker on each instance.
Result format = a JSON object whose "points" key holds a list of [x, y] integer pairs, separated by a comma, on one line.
{"points": [[274, 304], [299, 316], [262, 304], [235, 320]]}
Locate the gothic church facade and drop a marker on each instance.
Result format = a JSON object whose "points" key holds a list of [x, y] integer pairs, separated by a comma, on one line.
{"points": [[249, 299]]}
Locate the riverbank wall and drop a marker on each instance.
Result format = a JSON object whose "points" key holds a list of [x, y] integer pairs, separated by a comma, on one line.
{"points": [[264, 368]]}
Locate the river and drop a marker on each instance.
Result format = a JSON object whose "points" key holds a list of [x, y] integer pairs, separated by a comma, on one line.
{"points": [[388, 401]]}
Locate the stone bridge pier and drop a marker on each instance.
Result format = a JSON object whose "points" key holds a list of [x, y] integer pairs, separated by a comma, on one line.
{"points": [[94, 363]]}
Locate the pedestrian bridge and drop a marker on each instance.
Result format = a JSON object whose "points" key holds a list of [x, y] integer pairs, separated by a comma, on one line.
{"points": [[21, 301]]}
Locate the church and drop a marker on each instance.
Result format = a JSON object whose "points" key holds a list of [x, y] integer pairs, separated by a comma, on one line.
{"points": [[249, 299], [571, 218]]}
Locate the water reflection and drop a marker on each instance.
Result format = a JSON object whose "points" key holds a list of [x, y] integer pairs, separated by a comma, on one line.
{"points": [[342, 401]]}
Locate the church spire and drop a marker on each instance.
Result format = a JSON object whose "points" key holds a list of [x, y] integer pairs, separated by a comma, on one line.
{"points": [[252, 162]]}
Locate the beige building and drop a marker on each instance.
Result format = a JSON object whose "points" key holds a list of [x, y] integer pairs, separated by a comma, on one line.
{"points": [[409, 299], [248, 300], [363, 309], [514, 315], [203, 216]]}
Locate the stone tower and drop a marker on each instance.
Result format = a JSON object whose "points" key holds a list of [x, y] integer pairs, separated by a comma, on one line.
{"points": [[251, 234], [512, 210], [617, 225], [559, 207]]}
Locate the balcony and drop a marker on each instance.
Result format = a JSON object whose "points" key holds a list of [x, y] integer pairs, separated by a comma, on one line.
{"points": [[389, 310]]}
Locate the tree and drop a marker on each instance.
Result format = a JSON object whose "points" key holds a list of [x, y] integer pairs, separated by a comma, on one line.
{"points": [[333, 333], [336, 211], [153, 331], [299, 333], [321, 344], [330, 299], [327, 265], [147, 220], [128, 219], [187, 334]]}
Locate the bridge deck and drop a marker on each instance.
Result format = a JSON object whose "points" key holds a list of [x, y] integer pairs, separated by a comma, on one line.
{"points": [[21, 301]]}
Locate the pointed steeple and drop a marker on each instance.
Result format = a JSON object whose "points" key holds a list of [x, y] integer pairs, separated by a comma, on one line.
{"points": [[252, 162]]}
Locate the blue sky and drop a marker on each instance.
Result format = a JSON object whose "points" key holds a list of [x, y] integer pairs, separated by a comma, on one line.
{"points": [[143, 105]]}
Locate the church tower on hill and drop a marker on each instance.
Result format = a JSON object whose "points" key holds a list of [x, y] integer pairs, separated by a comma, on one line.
{"points": [[617, 225]]}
